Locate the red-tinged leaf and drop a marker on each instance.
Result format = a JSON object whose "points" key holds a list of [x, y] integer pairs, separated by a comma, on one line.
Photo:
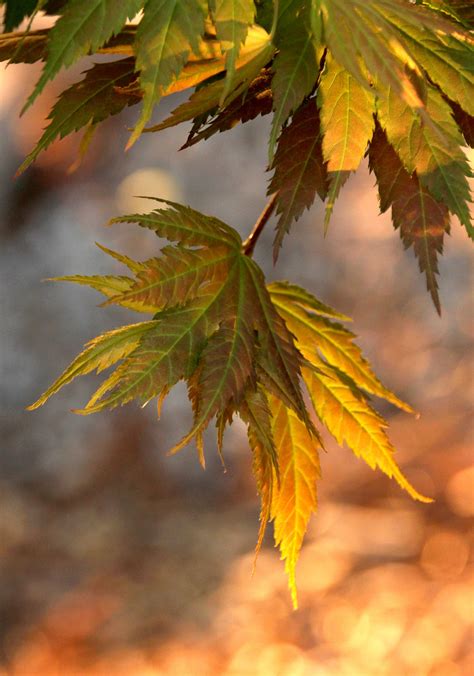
{"points": [[257, 100], [182, 224], [175, 277], [299, 169], [166, 355], [227, 362], [464, 121], [421, 219], [255, 412]]}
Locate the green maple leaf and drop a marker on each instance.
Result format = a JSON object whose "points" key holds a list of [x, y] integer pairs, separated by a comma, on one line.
{"points": [[83, 27], [296, 65], [169, 31], [232, 19], [210, 307], [446, 55], [103, 92], [99, 354]]}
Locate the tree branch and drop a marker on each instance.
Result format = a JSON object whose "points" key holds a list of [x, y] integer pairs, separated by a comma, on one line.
{"points": [[249, 245]]}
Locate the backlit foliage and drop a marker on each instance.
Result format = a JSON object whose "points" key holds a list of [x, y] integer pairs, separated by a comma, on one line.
{"points": [[391, 80]]}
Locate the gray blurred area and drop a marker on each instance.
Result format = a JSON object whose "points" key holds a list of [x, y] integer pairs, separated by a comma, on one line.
{"points": [[116, 559]]}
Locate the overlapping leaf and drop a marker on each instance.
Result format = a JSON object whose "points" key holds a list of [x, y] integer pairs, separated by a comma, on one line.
{"points": [[336, 376], [347, 122], [169, 31], [445, 55], [232, 19], [257, 52], [214, 321], [257, 100], [296, 65], [432, 151], [331, 339]]}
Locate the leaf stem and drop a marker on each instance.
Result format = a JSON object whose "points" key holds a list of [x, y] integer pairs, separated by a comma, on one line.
{"points": [[275, 20], [249, 245]]}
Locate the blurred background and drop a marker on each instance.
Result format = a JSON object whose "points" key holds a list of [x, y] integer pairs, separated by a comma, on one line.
{"points": [[118, 560]]}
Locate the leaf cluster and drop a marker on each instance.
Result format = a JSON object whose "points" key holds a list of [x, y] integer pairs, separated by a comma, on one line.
{"points": [[343, 79], [244, 348]]}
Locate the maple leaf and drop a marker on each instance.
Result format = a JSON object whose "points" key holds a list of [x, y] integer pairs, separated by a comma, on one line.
{"points": [[99, 354], [232, 19], [167, 34], [257, 100], [354, 30], [255, 412], [347, 122], [336, 375], [103, 92], [257, 52], [433, 151], [294, 496], [446, 55], [296, 65], [82, 28], [231, 338], [422, 220], [377, 32], [214, 322], [299, 169]]}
